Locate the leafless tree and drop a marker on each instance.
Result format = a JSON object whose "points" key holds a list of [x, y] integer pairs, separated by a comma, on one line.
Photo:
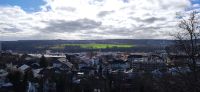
{"points": [[187, 44]]}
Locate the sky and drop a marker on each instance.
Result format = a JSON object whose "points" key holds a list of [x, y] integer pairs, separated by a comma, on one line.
{"points": [[91, 19]]}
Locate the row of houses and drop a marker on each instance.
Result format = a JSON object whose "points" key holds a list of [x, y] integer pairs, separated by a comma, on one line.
{"points": [[79, 67]]}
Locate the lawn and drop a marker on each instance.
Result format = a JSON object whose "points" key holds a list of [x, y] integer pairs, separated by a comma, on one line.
{"points": [[93, 46]]}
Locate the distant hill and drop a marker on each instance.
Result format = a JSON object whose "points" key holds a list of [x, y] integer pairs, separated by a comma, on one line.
{"points": [[42, 45]]}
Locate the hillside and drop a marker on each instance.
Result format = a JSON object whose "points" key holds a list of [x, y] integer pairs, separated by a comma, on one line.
{"points": [[85, 45]]}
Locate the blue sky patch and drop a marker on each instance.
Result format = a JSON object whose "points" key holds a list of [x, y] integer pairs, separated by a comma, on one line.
{"points": [[195, 1], [27, 5]]}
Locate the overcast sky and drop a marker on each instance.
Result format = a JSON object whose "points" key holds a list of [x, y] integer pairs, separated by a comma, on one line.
{"points": [[91, 19]]}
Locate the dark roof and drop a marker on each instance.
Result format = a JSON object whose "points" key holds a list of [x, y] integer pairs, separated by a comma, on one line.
{"points": [[88, 68], [55, 61], [178, 56], [135, 56], [63, 65], [118, 61]]}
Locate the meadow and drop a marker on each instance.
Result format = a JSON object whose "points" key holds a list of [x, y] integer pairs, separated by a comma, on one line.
{"points": [[93, 46]]}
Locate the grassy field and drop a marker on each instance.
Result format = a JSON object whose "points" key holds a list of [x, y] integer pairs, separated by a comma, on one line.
{"points": [[93, 46]]}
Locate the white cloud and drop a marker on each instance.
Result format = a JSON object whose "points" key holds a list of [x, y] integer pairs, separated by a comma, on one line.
{"points": [[92, 19]]}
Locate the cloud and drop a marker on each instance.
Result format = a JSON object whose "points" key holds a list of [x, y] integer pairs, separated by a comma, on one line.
{"points": [[93, 19], [148, 20], [104, 13], [7, 30], [70, 26], [71, 9]]}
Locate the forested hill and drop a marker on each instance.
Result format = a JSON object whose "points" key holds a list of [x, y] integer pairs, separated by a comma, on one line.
{"points": [[41, 45]]}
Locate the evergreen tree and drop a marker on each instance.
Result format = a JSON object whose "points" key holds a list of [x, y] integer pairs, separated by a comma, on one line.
{"points": [[43, 62], [14, 77]]}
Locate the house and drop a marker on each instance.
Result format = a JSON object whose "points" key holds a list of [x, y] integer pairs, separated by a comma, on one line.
{"points": [[148, 66], [137, 58], [35, 65], [178, 70], [180, 60], [66, 62], [32, 63], [146, 63], [60, 63], [118, 64], [11, 66], [24, 68], [155, 58], [84, 62], [36, 72], [95, 61], [71, 58], [3, 74]]}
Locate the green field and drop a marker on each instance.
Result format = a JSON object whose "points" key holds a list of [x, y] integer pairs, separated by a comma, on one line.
{"points": [[93, 46]]}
